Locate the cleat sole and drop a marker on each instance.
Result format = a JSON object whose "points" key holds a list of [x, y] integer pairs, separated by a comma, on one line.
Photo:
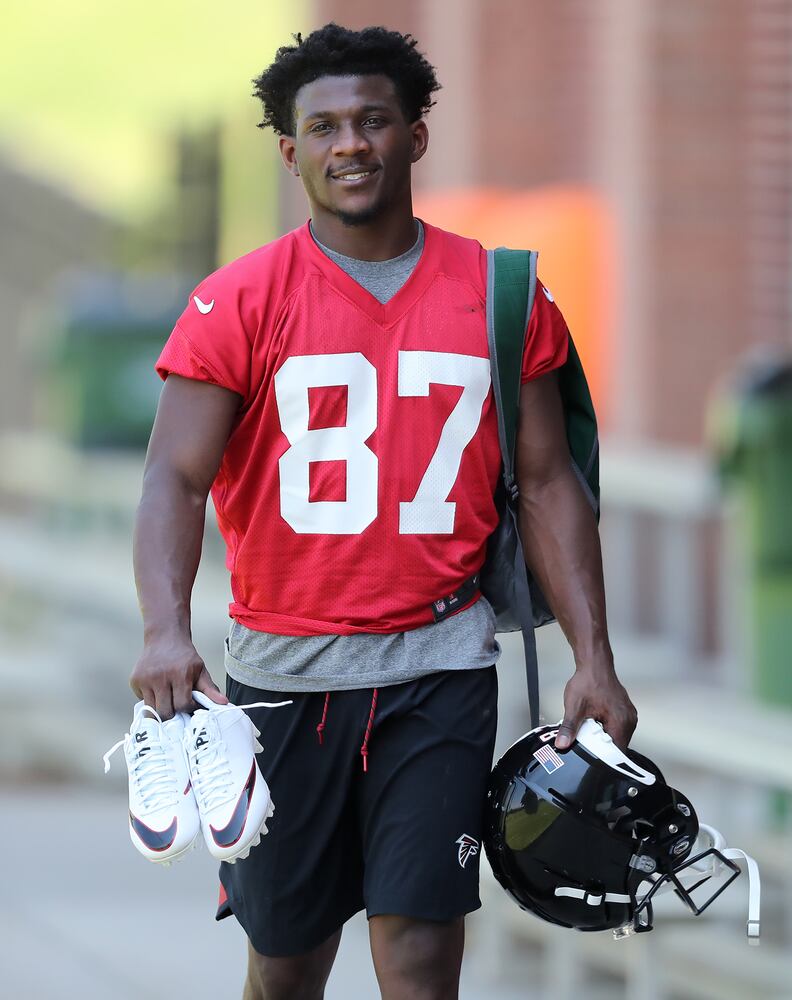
{"points": [[194, 845]]}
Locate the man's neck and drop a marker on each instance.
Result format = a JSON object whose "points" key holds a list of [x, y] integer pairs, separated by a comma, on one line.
{"points": [[377, 240]]}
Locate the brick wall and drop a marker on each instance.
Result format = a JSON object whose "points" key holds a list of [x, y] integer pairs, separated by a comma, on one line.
{"points": [[680, 113], [696, 309]]}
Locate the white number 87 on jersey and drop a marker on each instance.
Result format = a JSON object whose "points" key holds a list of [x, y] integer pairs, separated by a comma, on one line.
{"points": [[429, 512]]}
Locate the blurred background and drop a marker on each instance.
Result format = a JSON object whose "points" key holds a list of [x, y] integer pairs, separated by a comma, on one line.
{"points": [[645, 149]]}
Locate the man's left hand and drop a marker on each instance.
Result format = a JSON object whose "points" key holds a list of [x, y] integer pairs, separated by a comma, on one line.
{"points": [[597, 694]]}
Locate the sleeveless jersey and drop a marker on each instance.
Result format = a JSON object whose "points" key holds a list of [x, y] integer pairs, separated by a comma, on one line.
{"points": [[356, 487]]}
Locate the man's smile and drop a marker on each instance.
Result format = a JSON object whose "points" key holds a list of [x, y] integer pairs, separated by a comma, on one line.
{"points": [[354, 177]]}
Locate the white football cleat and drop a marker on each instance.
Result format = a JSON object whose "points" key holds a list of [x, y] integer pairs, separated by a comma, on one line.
{"points": [[233, 798], [163, 815]]}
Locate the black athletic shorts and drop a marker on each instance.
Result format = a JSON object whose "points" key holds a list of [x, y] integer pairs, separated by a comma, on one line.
{"points": [[401, 837]]}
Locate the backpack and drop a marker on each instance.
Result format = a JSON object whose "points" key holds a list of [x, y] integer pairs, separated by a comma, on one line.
{"points": [[505, 580]]}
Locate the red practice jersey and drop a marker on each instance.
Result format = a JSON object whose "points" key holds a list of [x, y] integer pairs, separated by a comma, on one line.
{"points": [[357, 484]]}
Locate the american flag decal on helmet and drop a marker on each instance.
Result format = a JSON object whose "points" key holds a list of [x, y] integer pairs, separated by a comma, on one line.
{"points": [[549, 759], [468, 847]]}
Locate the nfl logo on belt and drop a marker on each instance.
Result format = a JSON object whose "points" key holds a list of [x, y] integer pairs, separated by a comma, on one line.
{"points": [[440, 605]]}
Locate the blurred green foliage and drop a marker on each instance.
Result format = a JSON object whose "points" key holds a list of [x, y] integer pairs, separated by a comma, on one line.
{"points": [[90, 91]]}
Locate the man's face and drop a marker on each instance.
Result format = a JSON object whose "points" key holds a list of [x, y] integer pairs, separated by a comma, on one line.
{"points": [[345, 127]]}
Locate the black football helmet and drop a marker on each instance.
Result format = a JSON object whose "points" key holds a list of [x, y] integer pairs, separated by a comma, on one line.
{"points": [[586, 837]]}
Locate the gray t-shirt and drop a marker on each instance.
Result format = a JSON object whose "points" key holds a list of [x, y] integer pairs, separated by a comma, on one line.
{"points": [[465, 641]]}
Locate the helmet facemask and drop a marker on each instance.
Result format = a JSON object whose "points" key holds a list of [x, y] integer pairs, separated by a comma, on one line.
{"points": [[710, 860]]}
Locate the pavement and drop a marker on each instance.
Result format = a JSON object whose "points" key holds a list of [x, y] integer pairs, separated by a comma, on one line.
{"points": [[82, 908]]}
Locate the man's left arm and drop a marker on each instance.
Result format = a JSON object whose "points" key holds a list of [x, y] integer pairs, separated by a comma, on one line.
{"points": [[562, 549]]}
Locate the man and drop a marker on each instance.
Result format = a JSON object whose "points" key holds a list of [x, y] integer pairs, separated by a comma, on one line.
{"points": [[333, 390]]}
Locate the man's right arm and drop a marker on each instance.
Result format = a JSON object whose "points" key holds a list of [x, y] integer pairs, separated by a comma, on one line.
{"points": [[193, 423]]}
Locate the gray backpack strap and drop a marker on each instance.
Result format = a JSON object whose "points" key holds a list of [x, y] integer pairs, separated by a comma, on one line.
{"points": [[505, 336], [525, 611]]}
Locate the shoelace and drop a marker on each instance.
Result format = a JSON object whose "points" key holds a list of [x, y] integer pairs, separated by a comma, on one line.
{"points": [[210, 771], [151, 769]]}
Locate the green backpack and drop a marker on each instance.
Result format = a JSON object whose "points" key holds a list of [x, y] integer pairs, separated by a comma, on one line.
{"points": [[505, 580]]}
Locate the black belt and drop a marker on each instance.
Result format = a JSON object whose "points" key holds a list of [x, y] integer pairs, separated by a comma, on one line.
{"points": [[445, 606]]}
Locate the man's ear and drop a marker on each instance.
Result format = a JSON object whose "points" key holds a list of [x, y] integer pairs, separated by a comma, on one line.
{"points": [[420, 139], [288, 152]]}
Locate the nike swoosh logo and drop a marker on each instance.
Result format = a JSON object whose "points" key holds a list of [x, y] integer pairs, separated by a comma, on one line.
{"points": [[155, 840], [232, 831], [204, 307]]}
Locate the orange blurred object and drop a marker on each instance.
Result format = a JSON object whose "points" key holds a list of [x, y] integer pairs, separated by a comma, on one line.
{"points": [[573, 230]]}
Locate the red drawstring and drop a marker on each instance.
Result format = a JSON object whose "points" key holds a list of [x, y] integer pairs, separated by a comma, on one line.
{"points": [[320, 727], [364, 748]]}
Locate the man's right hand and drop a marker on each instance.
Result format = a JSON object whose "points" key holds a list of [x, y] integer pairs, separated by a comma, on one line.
{"points": [[168, 671], [191, 429]]}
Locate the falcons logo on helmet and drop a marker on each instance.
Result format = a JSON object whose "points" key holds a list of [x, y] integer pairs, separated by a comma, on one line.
{"points": [[468, 847]]}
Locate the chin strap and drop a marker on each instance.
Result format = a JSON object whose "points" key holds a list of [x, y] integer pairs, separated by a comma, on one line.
{"points": [[754, 890], [753, 926], [592, 898]]}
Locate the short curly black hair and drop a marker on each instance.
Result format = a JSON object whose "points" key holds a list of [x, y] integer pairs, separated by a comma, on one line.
{"points": [[337, 51]]}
